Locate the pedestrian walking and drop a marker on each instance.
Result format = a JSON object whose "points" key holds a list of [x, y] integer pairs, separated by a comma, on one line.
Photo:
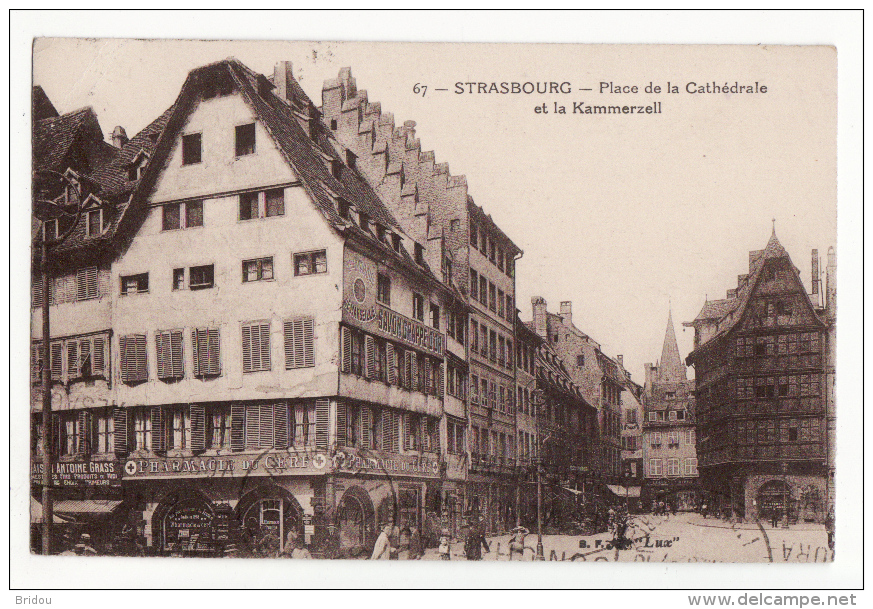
{"points": [[830, 527], [516, 543], [475, 542], [445, 549], [774, 517], [382, 548]]}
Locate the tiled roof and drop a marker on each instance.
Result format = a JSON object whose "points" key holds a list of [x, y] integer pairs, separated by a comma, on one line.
{"points": [[42, 106], [53, 138]]}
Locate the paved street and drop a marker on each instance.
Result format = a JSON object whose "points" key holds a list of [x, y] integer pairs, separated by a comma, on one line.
{"points": [[681, 538]]}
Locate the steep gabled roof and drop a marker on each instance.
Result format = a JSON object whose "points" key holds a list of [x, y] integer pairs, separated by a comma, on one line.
{"points": [[735, 308], [54, 138], [42, 107], [308, 157]]}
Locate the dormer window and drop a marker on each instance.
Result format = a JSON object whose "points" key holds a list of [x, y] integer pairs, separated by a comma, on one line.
{"points": [[419, 254], [343, 208], [351, 159], [94, 223], [364, 221], [50, 230], [395, 242], [336, 168], [380, 233]]}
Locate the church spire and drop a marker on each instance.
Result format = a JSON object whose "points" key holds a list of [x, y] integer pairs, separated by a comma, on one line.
{"points": [[671, 367]]}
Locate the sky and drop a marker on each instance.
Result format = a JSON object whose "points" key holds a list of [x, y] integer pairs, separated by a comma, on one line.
{"points": [[626, 216]]}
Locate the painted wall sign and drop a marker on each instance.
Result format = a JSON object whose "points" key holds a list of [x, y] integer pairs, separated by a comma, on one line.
{"points": [[80, 473], [277, 463], [350, 461]]}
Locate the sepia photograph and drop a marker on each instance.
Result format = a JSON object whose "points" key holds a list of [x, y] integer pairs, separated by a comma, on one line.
{"points": [[432, 301]]}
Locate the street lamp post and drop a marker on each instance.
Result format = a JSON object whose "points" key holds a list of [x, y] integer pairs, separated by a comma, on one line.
{"points": [[538, 402], [45, 210]]}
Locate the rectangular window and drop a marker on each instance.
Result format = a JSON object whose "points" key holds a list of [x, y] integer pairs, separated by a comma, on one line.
{"points": [[655, 467], [201, 277], [132, 350], [218, 427], [474, 235], [492, 301], [178, 279], [501, 311], [248, 206], [191, 148], [500, 259], [492, 344], [275, 202], [474, 285], [142, 429], [483, 291], [178, 421], [168, 347], [435, 316], [206, 344], [418, 307], [672, 414], [474, 336], [193, 214], [86, 283], [310, 263], [691, 466], [135, 284], [653, 417], [94, 223], [172, 216], [245, 139], [256, 346], [267, 426], [259, 269], [383, 289], [672, 467], [655, 439], [673, 439], [300, 343]]}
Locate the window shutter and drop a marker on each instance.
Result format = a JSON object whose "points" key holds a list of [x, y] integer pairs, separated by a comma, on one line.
{"points": [[265, 427], [280, 425], [299, 343], [428, 376], [390, 431], [213, 346], [158, 429], [322, 423], [140, 359], [290, 359], [394, 431], [198, 349], [408, 381], [36, 294], [370, 352], [367, 427], [34, 363], [161, 349], [441, 385], [237, 427], [391, 362], [85, 363], [56, 352], [248, 364], [83, 428], [341, 422], [425, 434], [98, 357], [72, 359], [252, 425], [308, 342], [346, 350], [264, 345], [86, 283], [198, 427], [119, 420], [405, 431], [176, 364]]}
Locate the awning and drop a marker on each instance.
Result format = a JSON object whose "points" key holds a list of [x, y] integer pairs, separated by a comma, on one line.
{"points": [[87, 507], [625, 491], [36, 513]]}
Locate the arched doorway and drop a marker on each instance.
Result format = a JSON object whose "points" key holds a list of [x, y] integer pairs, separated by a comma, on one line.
{"points": [[772, 496], [267, 517], [183, 524], [355, 521]]}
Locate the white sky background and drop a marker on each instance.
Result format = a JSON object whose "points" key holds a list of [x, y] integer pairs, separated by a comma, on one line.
{"points": [[620, 247], [620, 215]]}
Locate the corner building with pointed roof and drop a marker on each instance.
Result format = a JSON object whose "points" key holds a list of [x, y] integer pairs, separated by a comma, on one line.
{"points": [[763, 373], [279, 352]]}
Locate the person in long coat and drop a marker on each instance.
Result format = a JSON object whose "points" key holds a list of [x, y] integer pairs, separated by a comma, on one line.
{"points": [[382, 549]]}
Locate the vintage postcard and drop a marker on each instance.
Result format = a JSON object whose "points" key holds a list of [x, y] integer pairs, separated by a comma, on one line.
{"points": [[434, 302]]}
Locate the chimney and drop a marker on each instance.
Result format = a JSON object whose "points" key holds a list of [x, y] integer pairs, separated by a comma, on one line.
{"points": [[119, 137], [282, 78], [538, 304], [651, 372], [831, 278], [567, 312], [620, 359]]}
